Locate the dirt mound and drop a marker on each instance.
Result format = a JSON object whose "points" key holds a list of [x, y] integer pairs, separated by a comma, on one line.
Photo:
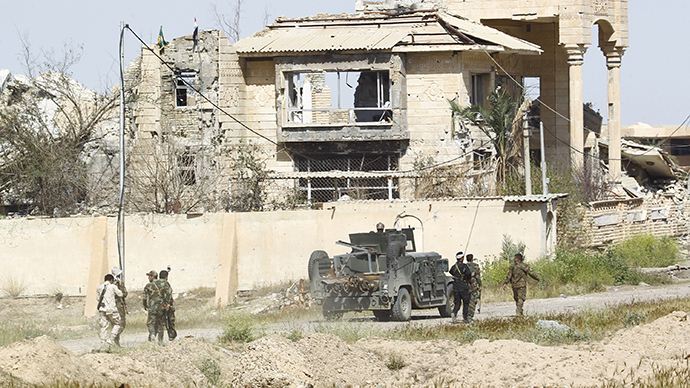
{"points": [[323, 360], [42, 360], [512, 363], [186, 362]]}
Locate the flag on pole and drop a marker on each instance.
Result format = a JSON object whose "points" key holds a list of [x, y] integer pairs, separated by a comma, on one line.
{"points": [[195, 35], [161, 40]]}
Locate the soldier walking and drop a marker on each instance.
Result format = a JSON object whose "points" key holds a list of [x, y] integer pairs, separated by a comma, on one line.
{"points": [[120, 302], [461, 293], [517, 277], [475, 286], [107, 310], [153, 303], [169, 309]]}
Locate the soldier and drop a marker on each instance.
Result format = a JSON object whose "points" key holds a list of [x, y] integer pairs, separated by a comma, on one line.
{"points": [[475, 286], [107, 310], [169, 309], [461, 294], [153, 303], [120, 302], [517, 277]]}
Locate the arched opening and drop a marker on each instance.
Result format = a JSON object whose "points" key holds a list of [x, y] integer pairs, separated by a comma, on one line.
{"points": [[595, 75]]}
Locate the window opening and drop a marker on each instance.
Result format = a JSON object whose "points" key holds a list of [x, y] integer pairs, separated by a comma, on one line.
{"points": [[339, 97], [532, 87], [335, 187], [481, 159], [477, 92], [183, 93], [186, 167], [680, 147]]}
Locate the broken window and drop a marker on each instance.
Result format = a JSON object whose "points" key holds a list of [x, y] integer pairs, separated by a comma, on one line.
{"points": [[364, 181], [481, 159], [338, 97], [184, 94], [186, 168]]}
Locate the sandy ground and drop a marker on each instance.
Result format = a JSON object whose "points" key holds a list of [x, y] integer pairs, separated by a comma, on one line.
{"points": [[322, 360]]}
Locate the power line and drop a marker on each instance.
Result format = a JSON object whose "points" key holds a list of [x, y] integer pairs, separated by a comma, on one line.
{"points": [[568, 120], [209, 100]]}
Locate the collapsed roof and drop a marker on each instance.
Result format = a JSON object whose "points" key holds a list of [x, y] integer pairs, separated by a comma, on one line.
{"points": [[421, 30]]}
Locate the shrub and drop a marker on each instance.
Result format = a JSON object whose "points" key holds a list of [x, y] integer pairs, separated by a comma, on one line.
{"points": [[13, 286], [238, 328], [395, 362], [495, 271], [647, 251]]}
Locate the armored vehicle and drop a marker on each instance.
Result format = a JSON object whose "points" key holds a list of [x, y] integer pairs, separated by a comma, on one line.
{"points": [[383, 273]]}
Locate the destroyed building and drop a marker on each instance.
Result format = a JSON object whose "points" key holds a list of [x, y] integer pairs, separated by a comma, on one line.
{"points": [[343, 105]]}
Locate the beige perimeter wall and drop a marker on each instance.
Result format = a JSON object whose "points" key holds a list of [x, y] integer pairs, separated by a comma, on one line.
{"points": [[240, 251]]}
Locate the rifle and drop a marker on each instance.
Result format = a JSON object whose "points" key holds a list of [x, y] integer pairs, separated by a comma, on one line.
{"points": [[479, 304]]}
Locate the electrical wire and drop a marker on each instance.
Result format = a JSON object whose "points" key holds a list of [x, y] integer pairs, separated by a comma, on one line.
{"points": [[187, 84], [568, 120]]}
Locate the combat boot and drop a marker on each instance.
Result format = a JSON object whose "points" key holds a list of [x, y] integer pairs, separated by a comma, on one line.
{"points": [[453, 318]]}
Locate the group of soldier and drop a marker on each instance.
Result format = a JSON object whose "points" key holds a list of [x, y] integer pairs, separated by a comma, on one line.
{"points": [[158, 302], [467, 285]]}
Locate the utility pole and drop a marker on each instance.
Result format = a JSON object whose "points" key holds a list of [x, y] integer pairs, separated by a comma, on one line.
{"points": [[544, 179], [121, 208], [525, 151]]}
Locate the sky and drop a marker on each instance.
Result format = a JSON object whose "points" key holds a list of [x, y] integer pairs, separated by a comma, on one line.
{"points": [[651, 90]]}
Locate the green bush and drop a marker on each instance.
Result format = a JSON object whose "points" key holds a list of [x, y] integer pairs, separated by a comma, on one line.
{"points": [[495, 271], [647, 251], [238, 328]]}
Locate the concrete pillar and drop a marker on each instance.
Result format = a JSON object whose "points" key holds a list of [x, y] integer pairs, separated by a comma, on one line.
{"points": [[98, 263], [613, 63], [576, 54], [226, 286]]}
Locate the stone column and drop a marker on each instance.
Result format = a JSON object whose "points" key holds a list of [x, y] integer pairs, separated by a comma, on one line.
{"points": [[576, 54], [613, 63]]}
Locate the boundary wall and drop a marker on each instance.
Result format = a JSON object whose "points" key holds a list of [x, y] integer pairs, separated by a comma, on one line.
{"points": [[244, 251]]}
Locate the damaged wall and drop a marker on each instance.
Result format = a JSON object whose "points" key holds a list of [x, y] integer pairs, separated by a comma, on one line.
{"points": [[616, 220], [240, 251]]}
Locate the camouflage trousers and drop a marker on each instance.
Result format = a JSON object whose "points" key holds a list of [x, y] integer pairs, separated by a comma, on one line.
{"points": [[519, 294], [160, 321], [155, 322], [474, 299], [106, 319]]}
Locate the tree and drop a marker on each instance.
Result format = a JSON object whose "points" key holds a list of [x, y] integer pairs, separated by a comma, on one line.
{"points": [[46, 122], [501, 124], [230, 26], [249, 176]]}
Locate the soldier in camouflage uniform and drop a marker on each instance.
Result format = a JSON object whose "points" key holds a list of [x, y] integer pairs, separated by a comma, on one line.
{"points": [[475, 286], [120, 302], [517, 277], [169, 314], [153, 303]]}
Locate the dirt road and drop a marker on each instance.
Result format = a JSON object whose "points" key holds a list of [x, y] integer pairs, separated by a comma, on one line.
{"points": [[614, 295]]}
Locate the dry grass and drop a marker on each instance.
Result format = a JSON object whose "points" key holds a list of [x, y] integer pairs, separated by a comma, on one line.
{"points": [[13, 286]]}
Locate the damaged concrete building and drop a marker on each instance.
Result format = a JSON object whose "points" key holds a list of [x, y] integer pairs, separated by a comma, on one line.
{"points": [[344, 105]]}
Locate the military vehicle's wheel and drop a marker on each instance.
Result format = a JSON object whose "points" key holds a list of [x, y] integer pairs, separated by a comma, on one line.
{"points": [[446, 311], [382, 315], [315, 256], [402, 308], [331, 315]]}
